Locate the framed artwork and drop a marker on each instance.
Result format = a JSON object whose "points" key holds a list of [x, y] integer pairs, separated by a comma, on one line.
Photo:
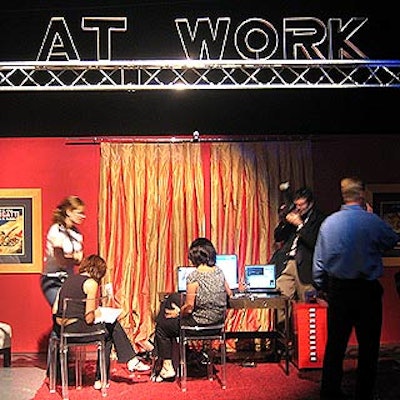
{"points": [[385, 201], [20, 230]]}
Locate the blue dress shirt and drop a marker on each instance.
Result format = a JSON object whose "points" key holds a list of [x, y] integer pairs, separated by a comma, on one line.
{"points": [[350, 245]]}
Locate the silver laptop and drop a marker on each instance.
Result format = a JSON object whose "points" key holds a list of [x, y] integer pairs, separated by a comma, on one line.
{"points": [[260, 278]]}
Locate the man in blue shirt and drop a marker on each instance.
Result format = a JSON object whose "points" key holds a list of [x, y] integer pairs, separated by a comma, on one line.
{"points": [[347, 265]]}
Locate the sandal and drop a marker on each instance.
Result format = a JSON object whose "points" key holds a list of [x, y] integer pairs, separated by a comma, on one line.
{"points": [[136, 365], [164, 376]]}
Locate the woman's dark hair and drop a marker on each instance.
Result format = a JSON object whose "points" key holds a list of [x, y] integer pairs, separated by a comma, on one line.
{"points": [[202, 251], [94, 265]]}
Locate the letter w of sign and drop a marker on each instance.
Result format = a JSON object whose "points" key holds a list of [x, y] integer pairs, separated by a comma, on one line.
{"points": [[203, 41]]}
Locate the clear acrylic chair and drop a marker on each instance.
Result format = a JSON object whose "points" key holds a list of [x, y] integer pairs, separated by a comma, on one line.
{"points": [[206, 334], [5, 343], [78, 341]]}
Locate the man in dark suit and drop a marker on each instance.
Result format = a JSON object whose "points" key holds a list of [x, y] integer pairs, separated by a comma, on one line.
{"points": [[298, 230]]}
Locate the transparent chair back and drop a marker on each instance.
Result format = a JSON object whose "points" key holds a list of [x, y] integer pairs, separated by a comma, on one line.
{"points": [[79, 341], [207, 334]]}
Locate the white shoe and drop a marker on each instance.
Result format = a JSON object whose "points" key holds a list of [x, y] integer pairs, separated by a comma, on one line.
{"points": [[136, 365], [97, 385]]}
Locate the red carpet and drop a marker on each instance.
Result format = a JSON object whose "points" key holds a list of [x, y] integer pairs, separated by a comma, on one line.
{"points": [[265, 381]]}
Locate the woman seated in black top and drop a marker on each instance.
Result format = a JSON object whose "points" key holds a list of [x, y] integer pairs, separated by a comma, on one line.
{"points": [[85, 285]]}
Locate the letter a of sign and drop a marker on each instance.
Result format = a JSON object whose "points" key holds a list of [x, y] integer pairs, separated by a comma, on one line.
{"points": [[57, 43]]}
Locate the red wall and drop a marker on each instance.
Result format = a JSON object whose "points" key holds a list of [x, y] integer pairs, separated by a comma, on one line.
{"points": [[61, 169]]}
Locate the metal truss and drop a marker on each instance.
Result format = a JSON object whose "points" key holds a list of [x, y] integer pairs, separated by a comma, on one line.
{"points": [[191, 74]]}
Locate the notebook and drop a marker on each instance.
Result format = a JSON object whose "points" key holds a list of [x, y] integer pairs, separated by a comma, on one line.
{"points": [[108, 315], [260, 278]]}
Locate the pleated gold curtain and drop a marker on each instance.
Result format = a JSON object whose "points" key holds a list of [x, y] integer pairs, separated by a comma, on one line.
{"points": [[245, 197], [156, 198], [245, 193], [151, 207]]}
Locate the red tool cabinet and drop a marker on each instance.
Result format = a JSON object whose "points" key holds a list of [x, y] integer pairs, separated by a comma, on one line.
{"points": [[310, 333]]}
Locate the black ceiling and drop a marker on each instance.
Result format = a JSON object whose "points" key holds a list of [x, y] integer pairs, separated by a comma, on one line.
{"points": [[233, 112]]}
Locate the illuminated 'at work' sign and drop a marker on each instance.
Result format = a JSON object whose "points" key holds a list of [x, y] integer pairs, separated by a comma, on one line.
{"points": [[253, 39]]}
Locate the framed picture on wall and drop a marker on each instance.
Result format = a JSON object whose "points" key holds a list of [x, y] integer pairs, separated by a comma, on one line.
{"points": [[20, 230], [385, 200]]}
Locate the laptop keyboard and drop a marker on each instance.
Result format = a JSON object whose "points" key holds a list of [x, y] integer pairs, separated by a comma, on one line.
{"points": [[246, 295]]}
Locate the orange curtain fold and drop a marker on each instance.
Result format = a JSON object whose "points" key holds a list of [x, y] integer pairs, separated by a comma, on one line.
{"points": [[151, 207], [245, 193], [245, 197]]}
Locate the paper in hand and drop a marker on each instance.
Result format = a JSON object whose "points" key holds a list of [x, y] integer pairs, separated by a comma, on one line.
{"points": [[108, 315]]}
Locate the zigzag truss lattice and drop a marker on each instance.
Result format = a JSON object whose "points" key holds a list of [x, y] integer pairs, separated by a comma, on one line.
{"points": [[191, 74]]}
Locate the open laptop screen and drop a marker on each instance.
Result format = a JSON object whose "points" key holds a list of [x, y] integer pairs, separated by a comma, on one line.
{"points": [[229, 265], [227, 262], [183, 272], [260, 277]]}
